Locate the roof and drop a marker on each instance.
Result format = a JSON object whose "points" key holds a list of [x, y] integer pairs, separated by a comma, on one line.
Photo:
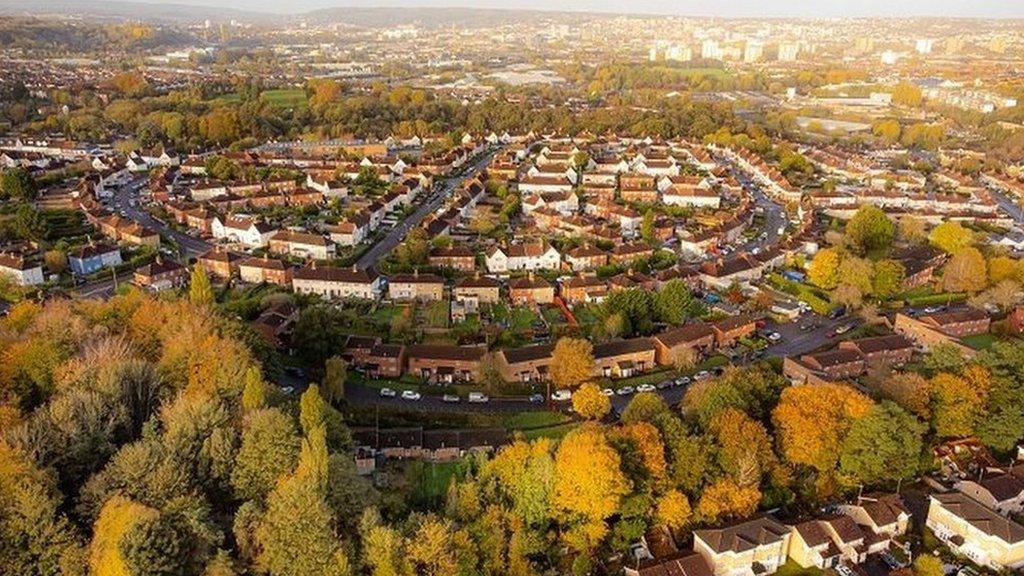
{"points": [[845, 528], [980, 517], [1003, 487], [331, 274], [387, 350], [528, 353], [478, 282], [686, 564], [732, 323], [527, 282], [813, 533], [956, 316], [444, 352], [743, 536], [882, 343], [263, 263], [885, 510], [92, 250], [835, 357], [620, 347], [415, 279], [685, 334], [295, 237]]}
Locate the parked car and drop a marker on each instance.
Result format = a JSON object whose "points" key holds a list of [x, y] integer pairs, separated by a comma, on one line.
{"points": [[450, 398], [536, 398], [625, 391], [844, 570], [607, 392], [478, 398], [774, 336], [411, 395], [702, 375], [682, 381], [561, 395], [388, 393], [645, 388], [664, 384], [843, 329]]}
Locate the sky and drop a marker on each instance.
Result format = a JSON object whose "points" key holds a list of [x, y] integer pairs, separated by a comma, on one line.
{"points": [[724, 8]]}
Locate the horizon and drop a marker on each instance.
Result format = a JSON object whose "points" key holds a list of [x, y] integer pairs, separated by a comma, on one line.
{"points": [[731, 9]]}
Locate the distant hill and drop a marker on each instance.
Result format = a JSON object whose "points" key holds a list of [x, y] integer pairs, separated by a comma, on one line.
{"points": [[439, 17], [117, 10]]}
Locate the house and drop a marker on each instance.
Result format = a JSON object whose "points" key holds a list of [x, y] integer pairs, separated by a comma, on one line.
{"points": [[277, 323], [219, 263], [889, 350], [385, 361], [269, 270], [959, 323], [480, 288], [350, 231], [161, 275], [456, 257], [919, 264], [529, 256], [526, 364], [301, 244], [94, 257], [697, 336], [811, 545], [15, 266], [884, 515], [1002, 491], [838, 364], [586, 257], [848, 538], [927, 334], [531, 289], [583, 289], [626, 253], [332, 283], [694, 196], [416, 286], [623, 358], [729, 330], [242, 230], [973, 530], [721, 274], [755, 546], [681, 564], [438, 363]]}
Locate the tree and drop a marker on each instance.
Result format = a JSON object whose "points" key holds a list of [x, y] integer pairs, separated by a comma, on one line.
{"points": [[647, 227], [415, 249], [824, 269], [911, 229], [590, 403], [910, 391], [848, 295], [888, 130], [673, 510], [750, 390], [572, 362], [335, 374], [117, 517], [296, 534], [268, 450], [161, 546], [906, 94], [644, 407], [870, 229], [17, 184], [199, 291], [951, 237], [856, 272], [965, 272], [957, 402], [744, 447], [811, 423], [926, 565], [588, 484], [674, 303], [726, 499], [883, 446], [887, 279], [254, 395]]}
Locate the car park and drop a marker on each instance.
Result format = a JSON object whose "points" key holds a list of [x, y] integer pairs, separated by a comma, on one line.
{"points": [[387, 393], [411, 395]]}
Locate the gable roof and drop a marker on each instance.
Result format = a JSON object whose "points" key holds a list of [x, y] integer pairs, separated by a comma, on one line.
{"points": [[744, 536], [980, 517]]}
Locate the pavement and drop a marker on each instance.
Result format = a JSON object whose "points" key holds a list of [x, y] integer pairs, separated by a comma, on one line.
{"points": [[436, 198]]}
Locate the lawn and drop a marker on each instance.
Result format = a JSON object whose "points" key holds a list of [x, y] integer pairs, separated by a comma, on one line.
{"points": [[515, 319], [791, 568], [815, 298], [980, 341], [530, 420], [289, 98], [552, 432]]}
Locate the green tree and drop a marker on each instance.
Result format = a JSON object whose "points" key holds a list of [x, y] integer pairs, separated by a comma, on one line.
{"points": [[647, 227], [254, 395], [161, 546], [674, 303], [199, 290], [17, 184], [644, 407], [870, 229], [335, 374], [887, 278], [268, 450], [882, 447]]}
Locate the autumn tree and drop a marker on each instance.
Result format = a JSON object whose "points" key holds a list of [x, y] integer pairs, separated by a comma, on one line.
{"points": [[673, 510], [268, 449], [951, 237], [335, 374], [910, 391], [590, 403], [17, 184], [906, 94], [572, 362], [117, 517], [958, 401], [744, 447], [965, 272], [644, 407], [588, 485], [200, 292], [725, 499], [824, 269], [887, 278], [911, 229]]}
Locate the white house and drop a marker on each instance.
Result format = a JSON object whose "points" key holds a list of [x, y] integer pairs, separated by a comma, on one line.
{"points": [[242, 230], [14, 266], [532, 256]]}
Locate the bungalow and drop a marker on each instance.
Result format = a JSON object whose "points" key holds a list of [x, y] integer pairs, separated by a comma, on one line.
{"points": [[15, 266], [94, 257], [480, 288], [755, 546], [330, 282], [531, 290], [269, 270], [416, 286], [301, 244], [528, 256], [975, 531], [623, 358], [438, 363]]}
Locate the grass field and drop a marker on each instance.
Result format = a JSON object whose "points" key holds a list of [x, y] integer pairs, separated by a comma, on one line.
{"points": [[284, 98]]}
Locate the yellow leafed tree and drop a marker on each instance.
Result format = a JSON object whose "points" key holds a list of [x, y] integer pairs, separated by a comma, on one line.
{"points": [[117, 517]]}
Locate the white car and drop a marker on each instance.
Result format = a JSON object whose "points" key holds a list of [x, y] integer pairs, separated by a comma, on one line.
{"points": [[478, 398], [608, 392], [683, 381], [410, 395], [561, 395], [625, 391], [387, 393], [702, 375], [774, 336], [645, 388], [450, 398], [843, 570]]}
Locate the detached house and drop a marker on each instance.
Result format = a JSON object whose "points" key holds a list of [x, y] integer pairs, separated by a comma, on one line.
{"points": [[15, 266], [94, 257]]}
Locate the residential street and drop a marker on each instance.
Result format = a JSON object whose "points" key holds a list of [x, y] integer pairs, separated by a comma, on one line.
{"points": [[122, 202]]}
